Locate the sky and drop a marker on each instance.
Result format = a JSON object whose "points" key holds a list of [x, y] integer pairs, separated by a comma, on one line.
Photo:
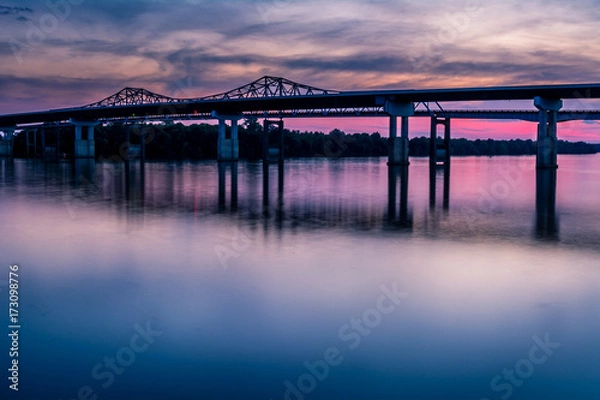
{"points": [[65, 53]]}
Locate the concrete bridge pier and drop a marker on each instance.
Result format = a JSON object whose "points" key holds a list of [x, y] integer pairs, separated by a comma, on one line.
{"points": [[228, 147], [547, 137], [439, 153], [129, 152], [133, 151], [7, 141], [398, 147], [50, 151], [31, 143], [271, 154], [84, 139]]}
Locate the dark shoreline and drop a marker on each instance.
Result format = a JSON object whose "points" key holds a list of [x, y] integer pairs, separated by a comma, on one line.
{"points": [[178, 142]]}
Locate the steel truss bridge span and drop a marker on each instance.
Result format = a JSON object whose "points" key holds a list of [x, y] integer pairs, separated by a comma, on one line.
{"points": [[272, 97]]}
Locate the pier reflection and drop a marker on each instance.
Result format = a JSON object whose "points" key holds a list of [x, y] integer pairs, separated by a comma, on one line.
{"points": [[84, 170], [267, 170], [7, 170], [223, 167], [437, 173], [398, 213], [314, 194], [546, 225]]}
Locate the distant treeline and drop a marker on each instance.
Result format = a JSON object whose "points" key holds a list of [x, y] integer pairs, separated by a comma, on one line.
{"points": [[199, 141]]}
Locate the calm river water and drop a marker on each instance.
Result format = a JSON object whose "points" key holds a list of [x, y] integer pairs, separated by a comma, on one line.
{"points": [[343, 281]]}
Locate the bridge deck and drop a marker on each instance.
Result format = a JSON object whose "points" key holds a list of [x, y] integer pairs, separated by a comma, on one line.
{"points": [[301, 105]]}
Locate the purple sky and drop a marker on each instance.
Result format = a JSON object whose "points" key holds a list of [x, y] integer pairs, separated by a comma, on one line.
{"points": [[62, 53]]}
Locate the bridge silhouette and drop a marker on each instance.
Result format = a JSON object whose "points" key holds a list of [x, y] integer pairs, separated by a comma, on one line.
{"points": [[276, 98]]}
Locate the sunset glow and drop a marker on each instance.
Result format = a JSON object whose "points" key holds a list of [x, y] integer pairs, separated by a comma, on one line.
{"points": [[68, 53]]}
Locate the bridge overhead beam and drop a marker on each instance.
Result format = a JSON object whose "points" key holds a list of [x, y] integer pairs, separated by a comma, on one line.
{"points": [[6, 142], [547, 131], [85, 146], [228, 148], [398, 146], [399, 109]]}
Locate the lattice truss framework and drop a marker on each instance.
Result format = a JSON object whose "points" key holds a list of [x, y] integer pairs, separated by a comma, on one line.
{"points": [[267, 86], [133, 96], [264, 87], [270, 86]]}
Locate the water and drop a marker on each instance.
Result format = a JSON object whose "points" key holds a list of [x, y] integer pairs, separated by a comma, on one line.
{"points": [[342, 281]]}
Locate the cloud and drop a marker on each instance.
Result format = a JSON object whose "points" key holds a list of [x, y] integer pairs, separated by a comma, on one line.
{"points": [[207, 47], [10, 10], [17, 95]]}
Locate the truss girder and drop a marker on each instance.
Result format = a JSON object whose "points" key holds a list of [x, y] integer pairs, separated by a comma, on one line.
{"points": [[133, 96], [267, 86]]}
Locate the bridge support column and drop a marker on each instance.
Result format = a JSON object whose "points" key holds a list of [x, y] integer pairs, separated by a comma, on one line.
{"points": [[439, 153], [6, 142], [58, 152], [31, 143], [273, 153], [43, 139], [143, 152], [84, 139], [228, 148], [398, 146], [28, 144], [547, 135], [50, 151]]}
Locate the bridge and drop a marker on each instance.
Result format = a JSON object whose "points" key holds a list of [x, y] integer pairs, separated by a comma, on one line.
{"points": [[278, 98]]}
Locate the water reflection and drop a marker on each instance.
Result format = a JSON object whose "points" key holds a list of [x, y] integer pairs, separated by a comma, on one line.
{"points": [[398, 214], [223, 167], [436, 173], [546, 225], [353, 194], [7, 169], [267, 190], [243, 307], [84, 170]]}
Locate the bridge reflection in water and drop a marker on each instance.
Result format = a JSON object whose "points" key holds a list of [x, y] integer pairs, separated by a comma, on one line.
{"points": [[398, 213], [546, 225], [304, 202], [265, 196]]}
